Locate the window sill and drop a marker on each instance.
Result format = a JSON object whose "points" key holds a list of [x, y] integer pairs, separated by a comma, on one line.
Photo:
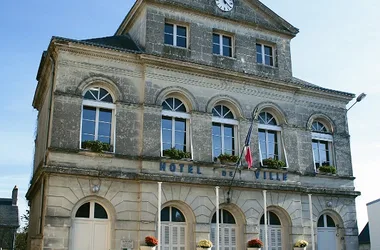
{"points": [[183, 160], [328, 175], [175, 47], [90, 153], [266, 66], [224, 57]]}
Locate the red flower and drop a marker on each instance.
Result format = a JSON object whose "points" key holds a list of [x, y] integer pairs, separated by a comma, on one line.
{"points": [[255, 243], [151, 241]]}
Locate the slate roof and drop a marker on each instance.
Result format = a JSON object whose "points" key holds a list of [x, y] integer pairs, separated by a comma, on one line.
{"points": [[8, 213], [124, 43], [364, 235]]}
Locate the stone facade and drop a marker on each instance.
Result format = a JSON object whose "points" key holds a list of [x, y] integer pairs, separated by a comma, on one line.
{"points": [[139, 81]]}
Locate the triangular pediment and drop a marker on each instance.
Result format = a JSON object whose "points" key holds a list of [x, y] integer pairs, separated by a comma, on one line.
{"points": [[251, 12]]}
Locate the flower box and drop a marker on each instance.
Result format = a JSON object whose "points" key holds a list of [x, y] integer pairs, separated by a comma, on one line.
{"points": [[254, 248], [299, 248], [147, 248], [202, 248]]}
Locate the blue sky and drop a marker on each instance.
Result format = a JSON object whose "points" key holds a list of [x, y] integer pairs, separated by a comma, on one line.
{"points": [[337, 47]]}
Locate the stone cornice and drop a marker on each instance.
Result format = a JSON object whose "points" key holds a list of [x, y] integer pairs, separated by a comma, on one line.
{"points": [[145, 176]]}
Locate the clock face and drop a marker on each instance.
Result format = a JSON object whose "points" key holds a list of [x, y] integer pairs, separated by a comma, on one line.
{"points": [[225, 5]]}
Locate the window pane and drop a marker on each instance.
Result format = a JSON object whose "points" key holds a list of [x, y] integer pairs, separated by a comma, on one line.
{"points": [[228, 144], [83, 211], [95, 92], [180, 147], [216, 49], [165, 214], [181, 41], [259, 58], [167, 136], [100, 212], [217, 142], [320, 222], [227, 51], [227, 113], [217, 152], [166, 122], [89, 96], [107, 98], [177, 216], [215, 38], [330, 221], [227, 41], [216, 129], [228, 131], [105, 139], [180, 138], [165, 106], [166, 146], [228, 218], [88, 127], [180, 124], [104, 129], [217, 110], [105, 115], [268, 50], [87, 138], [273, 219], [89, 113], [181, 31], [169, 28], [168, 39], [269, 60]]}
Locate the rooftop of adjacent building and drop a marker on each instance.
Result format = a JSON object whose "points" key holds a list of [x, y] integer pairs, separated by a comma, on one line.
{"points": [[373, 202], [9, 210], [364, 237]]}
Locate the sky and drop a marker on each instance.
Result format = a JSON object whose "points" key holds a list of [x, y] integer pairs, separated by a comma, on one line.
{"points": [[337, 47]]}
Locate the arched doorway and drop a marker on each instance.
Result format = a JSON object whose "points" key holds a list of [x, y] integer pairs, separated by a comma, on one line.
{"points": [[173, 229], [91, 228], [274, 231], [326, 233], [227, 230]]}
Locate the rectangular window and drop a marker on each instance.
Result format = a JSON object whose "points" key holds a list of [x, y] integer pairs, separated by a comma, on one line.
{"points": [[268, 144], [96, 124], [321, 153], [221, 45], [175, 35], [223, 139], [264, 54], [173, 133]]}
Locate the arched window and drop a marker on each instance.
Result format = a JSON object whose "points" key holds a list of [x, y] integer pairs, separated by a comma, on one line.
{"points": [[326, 221], [269, 136], [91, 227], [227, 230], [175, 132], [98, 118], [322, 145], [223, 131], [274, 231], [173, 229]]}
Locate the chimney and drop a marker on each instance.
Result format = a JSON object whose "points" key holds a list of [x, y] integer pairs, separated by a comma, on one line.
{"points": [[14, 196]]}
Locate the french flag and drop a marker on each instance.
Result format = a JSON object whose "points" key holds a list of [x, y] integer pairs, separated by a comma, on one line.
{"points": [[247, 150]]}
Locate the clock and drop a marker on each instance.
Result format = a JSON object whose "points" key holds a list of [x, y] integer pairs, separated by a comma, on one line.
{"points": [[225, 5]]}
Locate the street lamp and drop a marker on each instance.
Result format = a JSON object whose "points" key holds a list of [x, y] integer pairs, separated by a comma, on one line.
{"points": [[358, 99]]}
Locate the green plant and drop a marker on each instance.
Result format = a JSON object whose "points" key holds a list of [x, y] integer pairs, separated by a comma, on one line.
{"points": [[255, 243], [228, 158], [96, 146], [176, 154], [204, 244], [301, 243], [273, 163], [327, 169]]}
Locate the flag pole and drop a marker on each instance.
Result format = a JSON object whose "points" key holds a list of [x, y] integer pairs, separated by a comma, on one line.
{"points": [[311, 223], [246, 144], [265, 220], [159, 216], [217, 218]]}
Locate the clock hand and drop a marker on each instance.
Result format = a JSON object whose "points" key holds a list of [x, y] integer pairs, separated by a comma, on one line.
{"points": [[226, 2]]}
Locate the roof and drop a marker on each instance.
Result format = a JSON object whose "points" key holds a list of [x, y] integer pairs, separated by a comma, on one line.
{"points": [[364, 235], [123, 43], [8, 213], [373, 202]]}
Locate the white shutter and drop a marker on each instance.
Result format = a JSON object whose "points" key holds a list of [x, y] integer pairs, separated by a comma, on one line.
{"points": [[278, 238], [283, 146], [233, 239], [165, 237], [213, 227], [272, 239]]}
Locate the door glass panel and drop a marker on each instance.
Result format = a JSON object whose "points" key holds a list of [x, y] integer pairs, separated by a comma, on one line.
{"points": [[330, 221], [100, 212], [320, 222], [165, 214], [177, 216]]}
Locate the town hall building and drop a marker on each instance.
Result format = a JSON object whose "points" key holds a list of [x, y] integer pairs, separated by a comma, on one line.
{"points": [[137, 130]]}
